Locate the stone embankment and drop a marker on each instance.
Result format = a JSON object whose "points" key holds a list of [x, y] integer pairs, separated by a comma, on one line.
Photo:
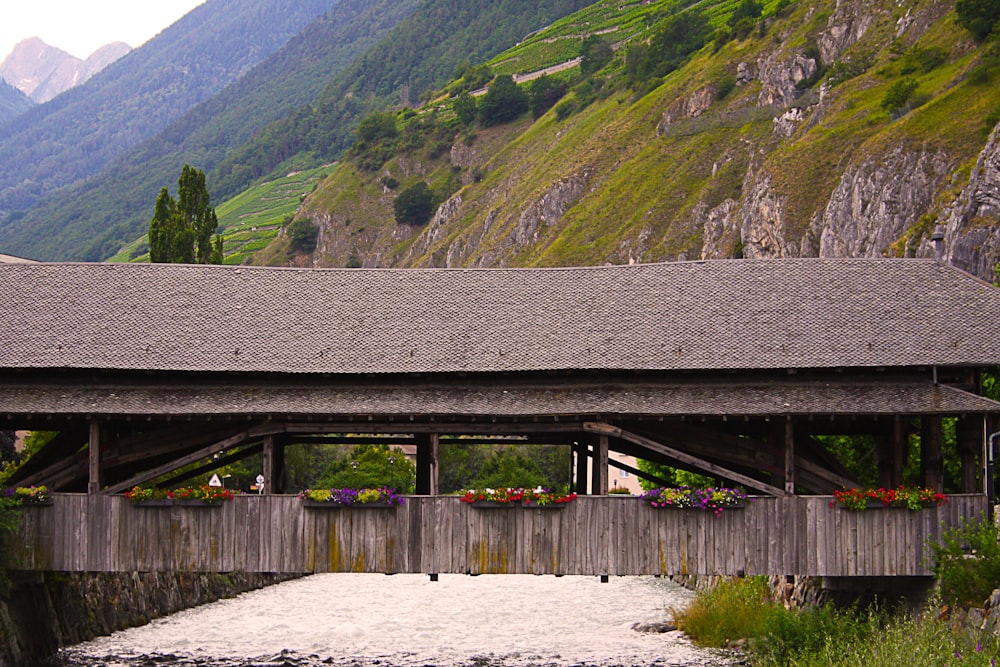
{"points": [[43, 612]]}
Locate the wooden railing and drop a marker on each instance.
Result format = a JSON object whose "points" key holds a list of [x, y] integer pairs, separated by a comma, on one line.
{"points": [[610, 535]]}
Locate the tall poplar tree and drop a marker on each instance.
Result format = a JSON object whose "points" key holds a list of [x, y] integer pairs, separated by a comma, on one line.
{"points": [[181, 231]]}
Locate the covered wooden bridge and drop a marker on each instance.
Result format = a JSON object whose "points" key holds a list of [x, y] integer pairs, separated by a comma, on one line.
{"points": [[731, 368]]}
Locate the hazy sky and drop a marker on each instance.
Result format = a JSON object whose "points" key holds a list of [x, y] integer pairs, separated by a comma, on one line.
{"points": [[80, 27]]}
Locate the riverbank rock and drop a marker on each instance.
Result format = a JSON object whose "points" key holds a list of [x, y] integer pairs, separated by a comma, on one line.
{"points": [[653, 628]]}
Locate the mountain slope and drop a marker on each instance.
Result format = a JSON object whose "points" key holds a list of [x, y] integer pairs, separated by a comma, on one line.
{"points": [[78, 133], [41, 71], [421, 53], [792, 140], [428, 39], [94, 219], [12, 102]]}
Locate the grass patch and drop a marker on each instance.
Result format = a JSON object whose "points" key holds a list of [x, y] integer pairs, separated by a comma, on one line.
{"points": [[742, 611]]}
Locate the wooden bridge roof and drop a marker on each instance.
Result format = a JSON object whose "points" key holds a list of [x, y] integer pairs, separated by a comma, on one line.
{"points": [[497, 399], [686, 316]]}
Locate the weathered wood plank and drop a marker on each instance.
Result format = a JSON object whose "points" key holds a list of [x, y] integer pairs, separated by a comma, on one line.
{"points": [[594, 535]]}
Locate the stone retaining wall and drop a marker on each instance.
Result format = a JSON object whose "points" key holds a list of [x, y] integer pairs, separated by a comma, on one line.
{"points": [[47, 610]]}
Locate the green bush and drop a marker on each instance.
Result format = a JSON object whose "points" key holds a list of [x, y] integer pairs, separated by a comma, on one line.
{"points": [[979, 17], [735, 609], [825, 636], [303, 234], [897, 96], [502, 103], [967, 562], [414, 205]]}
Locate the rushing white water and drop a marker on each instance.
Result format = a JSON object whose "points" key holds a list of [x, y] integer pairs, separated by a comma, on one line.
{"points": [[411, 621]]}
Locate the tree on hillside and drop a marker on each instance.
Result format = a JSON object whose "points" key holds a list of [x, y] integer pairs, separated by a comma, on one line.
{"points": [[503, 102], [181, 231], [543, 93], [595, 53], [414, 205], [978, 16]]}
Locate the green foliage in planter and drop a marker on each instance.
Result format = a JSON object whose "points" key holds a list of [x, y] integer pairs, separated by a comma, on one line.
{"points": [[967, 562]]}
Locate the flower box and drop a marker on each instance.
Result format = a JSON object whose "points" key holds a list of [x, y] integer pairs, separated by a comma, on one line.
{"points": [[912, 498], [708, 499], [153, 502], [533, 504], [194, 502], [486, 504], [355, 498], [516, 497], [318, 504], [29, 496]]}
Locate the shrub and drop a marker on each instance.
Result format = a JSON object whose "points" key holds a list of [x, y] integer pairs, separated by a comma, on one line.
{"points": [[414, 205], [377, 126], [595, 53], [725, 85], [898, 94], [303, 235], [465, 108], [967, 562], [735, 609], [543, 93], [979, 17], [502, 103]]}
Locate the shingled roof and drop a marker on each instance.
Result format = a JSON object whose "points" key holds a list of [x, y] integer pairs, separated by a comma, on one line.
{"points": [[713, 315]]}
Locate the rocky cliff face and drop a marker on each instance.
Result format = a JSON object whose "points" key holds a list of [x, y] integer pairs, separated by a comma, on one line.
{"points": [[793, 156], [41, 71]]}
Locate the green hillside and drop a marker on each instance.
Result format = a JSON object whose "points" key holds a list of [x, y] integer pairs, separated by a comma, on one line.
{"points": [[95, 219], [811, 129], [251, 220]]}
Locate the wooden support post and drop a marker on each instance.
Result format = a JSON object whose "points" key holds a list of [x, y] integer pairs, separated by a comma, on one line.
{"points": [[884, 455], [931, 461], [278, 471], [900, 450], [599, 469], [789, 458], [580, 452], [269, 478], [969, 438], [427, 464], [96, 475]]}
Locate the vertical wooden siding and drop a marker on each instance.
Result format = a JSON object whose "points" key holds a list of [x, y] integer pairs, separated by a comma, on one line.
{"points": [[594, 535]]}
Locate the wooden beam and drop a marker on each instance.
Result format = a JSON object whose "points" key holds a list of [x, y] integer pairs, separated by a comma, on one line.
{"points": [[970, 433], [64, 444], [427, 464], [582, 453], [270, 480], [833, 479], [225, 460], [931, 460], [599, 469], [214, 448], [711, 468], [789, 458], [638, 473], [95, 473], [900, 449]]}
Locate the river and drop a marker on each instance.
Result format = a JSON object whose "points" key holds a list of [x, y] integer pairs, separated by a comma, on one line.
{"points": [[361, 620]]}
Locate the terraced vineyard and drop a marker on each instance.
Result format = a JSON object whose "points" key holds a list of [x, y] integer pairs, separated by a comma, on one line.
{"points": [[250, 220]]}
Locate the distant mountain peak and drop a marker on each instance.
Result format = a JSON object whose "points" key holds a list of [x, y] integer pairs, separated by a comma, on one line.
{"points": [[42, 71]]}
